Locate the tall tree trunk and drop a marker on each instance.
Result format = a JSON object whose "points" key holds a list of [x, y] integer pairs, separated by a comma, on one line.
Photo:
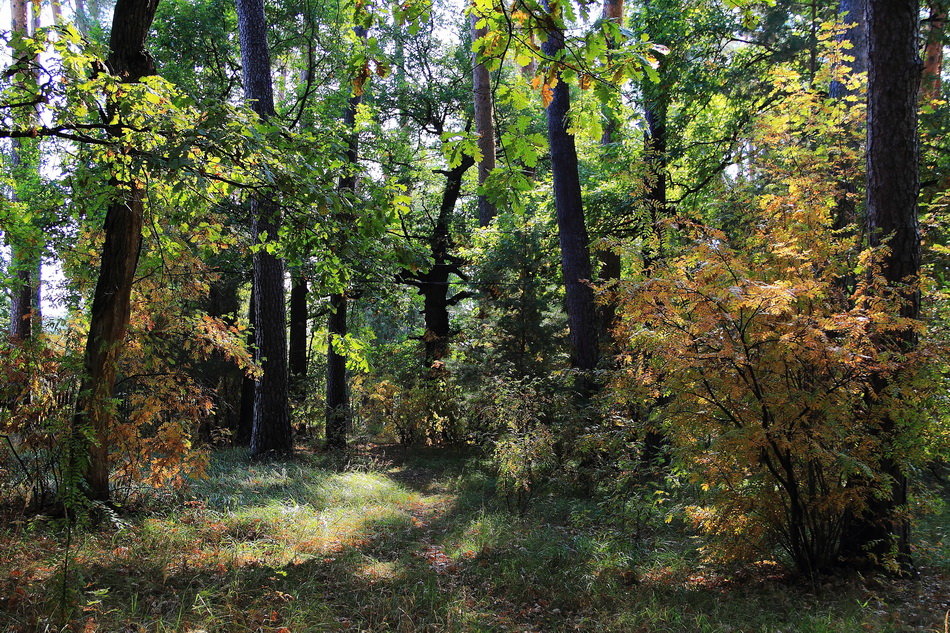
{"points": [[23, 255], [933, 52], [242, 433], [111, 305], [609, 258], [892, 187], [337, 395], [299, 315], [271, 431], [853, 12], [572, 230], [484, 121], [433, 284]]}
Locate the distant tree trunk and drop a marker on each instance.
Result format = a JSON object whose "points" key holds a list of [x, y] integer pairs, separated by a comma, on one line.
{"points": [[612, 11], [271, 432], [892, 186], [933, 52], [609, 259], [484, 122], [572, 230], [23, 256], [337, 395], [433, 284], [299, 316], [853, 12], [242, 433], [656, 103], [111, 305]]}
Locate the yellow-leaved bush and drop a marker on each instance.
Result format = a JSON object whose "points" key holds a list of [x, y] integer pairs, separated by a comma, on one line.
{"points": [[761, 344]]}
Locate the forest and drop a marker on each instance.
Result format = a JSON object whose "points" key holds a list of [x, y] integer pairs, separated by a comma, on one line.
{"points": [[472, 316]]}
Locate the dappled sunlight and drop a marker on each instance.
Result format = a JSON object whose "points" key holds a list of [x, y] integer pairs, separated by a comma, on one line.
{"points": [[301, 548]]}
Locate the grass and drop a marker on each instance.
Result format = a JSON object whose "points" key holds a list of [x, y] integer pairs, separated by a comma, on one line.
{"points": [[411, 542]]}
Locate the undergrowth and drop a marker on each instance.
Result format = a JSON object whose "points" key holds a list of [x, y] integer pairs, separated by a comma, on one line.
{"points": [[389, 540]]}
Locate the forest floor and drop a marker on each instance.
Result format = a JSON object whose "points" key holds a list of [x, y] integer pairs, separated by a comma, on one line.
{"points": [[390, 540]]}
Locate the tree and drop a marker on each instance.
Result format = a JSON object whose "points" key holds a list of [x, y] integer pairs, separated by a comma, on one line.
{"points": [[572, 230], [892, 187], [109, 317], [25, 260], [338, 399], [271, 432], [933, 51], [484, 118]]}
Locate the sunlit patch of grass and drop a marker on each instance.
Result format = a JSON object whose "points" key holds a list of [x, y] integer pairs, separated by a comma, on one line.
{"points": [[424, 545]]}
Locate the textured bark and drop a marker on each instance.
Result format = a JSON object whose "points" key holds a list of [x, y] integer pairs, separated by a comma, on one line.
{"points": [[433, 284], [337, 394], [271, 432], [613, 11], [484, 123], [853, 12], [572, 230], [245, 424], [23, 256], [111, 305], [299, 315], [933, 53], [609, 260], [892, 188]]}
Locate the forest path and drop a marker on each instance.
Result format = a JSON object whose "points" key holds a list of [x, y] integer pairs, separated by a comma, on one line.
{"points": [[388, 540]]}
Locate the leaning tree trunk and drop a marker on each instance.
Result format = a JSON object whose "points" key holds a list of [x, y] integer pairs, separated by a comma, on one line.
{"points": [[337, 395], [111, 303], [892, 187], [572, 230], [270, 432], [484, 121]]}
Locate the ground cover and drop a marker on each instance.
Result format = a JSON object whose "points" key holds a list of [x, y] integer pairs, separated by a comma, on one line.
{"points": [[408, 541]]}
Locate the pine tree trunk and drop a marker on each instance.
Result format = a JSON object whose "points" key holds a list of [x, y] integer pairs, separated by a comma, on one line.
{"points": [[933, 53], [572, 230], [853, 12], [299, 315], [271, 432], [892, 187], [23, 257], [111, 304], [484, 123], [337, 394], [338, 397]]}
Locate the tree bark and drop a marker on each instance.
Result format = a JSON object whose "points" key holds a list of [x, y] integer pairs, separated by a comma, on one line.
{"points": [[853, 12], [299, 315], [572, 230], [337, 394], [933, 53], [111, 304], [271, 432], [892, 187], [23, 256], [242, 433], [484, 122], [433, 284]]}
